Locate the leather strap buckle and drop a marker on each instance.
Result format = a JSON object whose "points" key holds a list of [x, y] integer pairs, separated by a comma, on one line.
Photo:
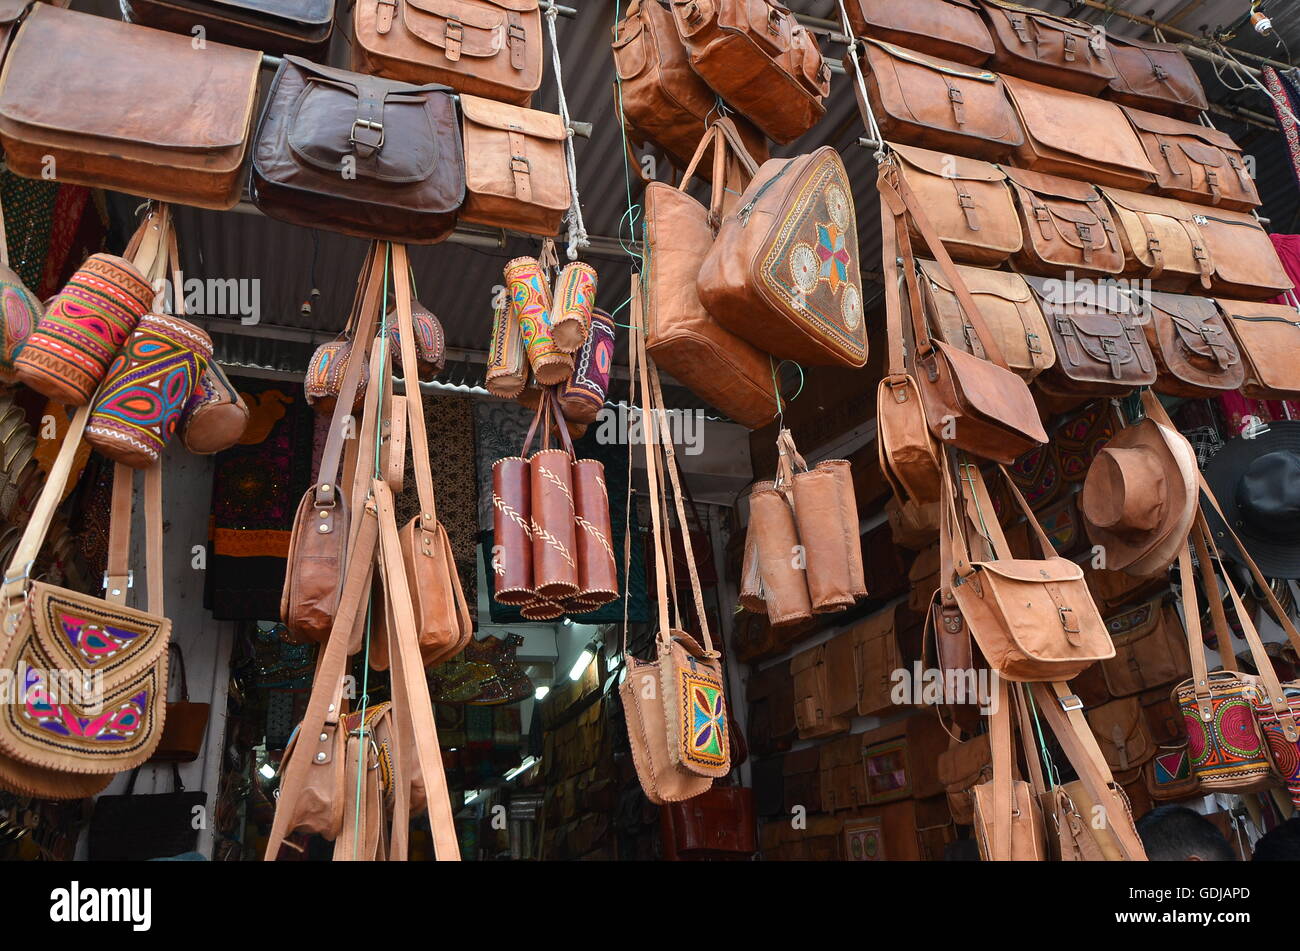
{"points": [[520, 165], [1069, 622], [516, 33], [1070, 703], [130, 577], [1032, 342], [773, 20], [367, 133]]}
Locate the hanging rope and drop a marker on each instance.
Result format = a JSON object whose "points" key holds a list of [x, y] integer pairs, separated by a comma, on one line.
{"points": [[577, 228]]}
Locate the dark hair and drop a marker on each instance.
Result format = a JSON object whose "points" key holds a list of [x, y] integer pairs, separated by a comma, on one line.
{"points": [[1176, 834], [1281, 844]]}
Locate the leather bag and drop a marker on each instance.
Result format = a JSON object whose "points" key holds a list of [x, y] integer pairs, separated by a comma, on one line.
{"points": [[1055, 143], [399, 145], [276, 27], [843, 780], [1266, 336], [1067, 226], [901, 759], [1195, 353], [1246, 265], [131, 828], [1123, 737], [811, 695], [1194, 162], [185, 725], [802, 771], [1150, 648], [759, 59], [876, 657], [716, 824], [951, 29], [960, 768], [71, 93], [216, 416], [1156, 77], [1045, 48], [1161, 241], [1168, 774], [490, 48], [783, 270], [770, 694]]}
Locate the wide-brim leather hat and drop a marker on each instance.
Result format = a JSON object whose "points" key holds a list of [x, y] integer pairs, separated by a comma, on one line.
{"points": [[1139, 498], [1257, 484]]}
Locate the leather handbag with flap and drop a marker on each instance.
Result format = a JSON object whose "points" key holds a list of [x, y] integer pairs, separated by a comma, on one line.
{"points": [[1246, 265], [276, 27], [951, 29], [73, 93], [1122, 734], [802, 771], [1161, 240], [400, 145], [1194, 162], [1150, 648], [1156, 77], [962, 767], [843, 780], [1267, 336], [490, 48], [811, 695], [1195, 353], [1067, 226], [1045, 48]]}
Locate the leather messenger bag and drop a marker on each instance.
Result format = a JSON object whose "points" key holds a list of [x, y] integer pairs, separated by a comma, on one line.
{"points": [[1268, 336], [359, 155], [1067, 226], [951, 29], [277, 27], [1162, 241], [1045, 48], [1246, 265], [1193, 162], [1195, 353], [1154, 76], [118, 106]]}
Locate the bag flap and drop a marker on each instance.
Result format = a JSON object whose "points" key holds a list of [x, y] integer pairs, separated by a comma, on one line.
{"points": [[483, 14], [297, 12], [146, 87], [1105, 299], [798, 762], [1187, 315], [993, 392], [1202, 154], [1034, 569], [1042, 184], [945, 165], [944, 66], [960, 767], [1147, 204], [1006, 285], [874, 628], [1137, 622], [1053, 118], [1165, 126], [11, 10], [508, 118], [805, 661], [1118, 720], [483, 22]]}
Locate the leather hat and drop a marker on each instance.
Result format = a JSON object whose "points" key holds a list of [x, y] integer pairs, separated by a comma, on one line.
{"points": [[1139, 498], [1257, 484]]}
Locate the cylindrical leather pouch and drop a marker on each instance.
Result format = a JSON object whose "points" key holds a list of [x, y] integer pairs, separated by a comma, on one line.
{"points": [[147, 388], [85, 325], [584, 394], [512, 545], [325, 371], [772, 526], [216, 416], [597, 571], [542, 610], [825, 536], [20, 312], [843, 472], [575, 298], [530, 299], [507, 367], [430, 342], [555, 569], [751, 580]]}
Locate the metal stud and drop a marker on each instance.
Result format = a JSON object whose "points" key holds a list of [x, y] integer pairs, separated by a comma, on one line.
{"points": [[320, 757], [324, 737], [323, 527]]}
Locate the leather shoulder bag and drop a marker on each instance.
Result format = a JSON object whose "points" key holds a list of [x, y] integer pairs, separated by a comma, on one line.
{"points": [[1267, 336], [73, 91], [1195, 353], [359, 155], [951, 29], [1045, 48], [1161, 240], [1246, 265], [1067, 226], [1194, 162], [961, 767], [277, 27], [1150, 648], [490, 48], [1123, 736], [1155, 77]]}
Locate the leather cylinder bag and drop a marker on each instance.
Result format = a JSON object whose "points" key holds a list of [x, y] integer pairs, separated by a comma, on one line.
{"points": [[1195, 353], [216, 416], [951, 29], [1266, 336], [302, 27], [1045, 48]]}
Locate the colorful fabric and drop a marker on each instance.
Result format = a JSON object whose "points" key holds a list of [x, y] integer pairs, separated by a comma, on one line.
{"points": [[575, 301], [19, 313], [1284, 753], [1284, 97], [530, 299], [1081, 437], [1227, 752], [702, 709], [584, 394]]}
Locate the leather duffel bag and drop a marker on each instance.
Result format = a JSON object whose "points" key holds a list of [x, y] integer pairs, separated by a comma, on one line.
{"points": [[1193, 162], [490, 48], [1246, 264], [1156, 77], [1268, 336], [1195, 353], [1067, 226], [1080, 137], [968, 203], [1045, 48], [400, 144], [117, 106], [759, 59], [1161, 240], [276, 27], [938, 104], [951, 29]]}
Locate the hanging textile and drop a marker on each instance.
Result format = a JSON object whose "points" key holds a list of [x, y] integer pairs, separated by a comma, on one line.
{"points": [[51, 229], [1284, 97]]}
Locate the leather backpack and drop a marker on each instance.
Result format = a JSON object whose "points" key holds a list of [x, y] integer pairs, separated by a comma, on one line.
{"points": [[1193, 162], [302, 27], [489, 48], [759, 59], [1246, 265], [1195, 353], [949, 29], [1161, 240], [400, 142], [1267, 336], [1045, 48], [1156, 77], [1067, 226]]}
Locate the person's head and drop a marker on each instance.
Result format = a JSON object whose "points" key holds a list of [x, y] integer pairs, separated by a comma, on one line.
{"points": [[1281, 844], [1179, 834]]}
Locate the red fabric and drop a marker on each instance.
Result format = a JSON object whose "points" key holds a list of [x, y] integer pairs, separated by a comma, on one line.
{"points": [[1288, 249]]}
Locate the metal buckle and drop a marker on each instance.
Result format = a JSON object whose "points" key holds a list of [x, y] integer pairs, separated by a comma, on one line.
{"points": [[24, 575], [519, 163], [370, 125], [517, 32], [1032, 343], [1071, 703], [1065, 623], [130, 579]]}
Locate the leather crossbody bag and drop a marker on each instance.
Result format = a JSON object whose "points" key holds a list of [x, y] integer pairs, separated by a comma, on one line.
{"points": [[1161, 240], [1246, 265], [1150, 648], [1155, 77], [1067, 226], [186, 724], [1266, 335], [1123, 737], [1195, 353], [1194, 162], [1050, 49], [951, 29], [276, 27]]}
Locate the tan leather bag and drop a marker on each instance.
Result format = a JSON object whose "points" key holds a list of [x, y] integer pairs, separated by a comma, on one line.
{"points": [[1161, 240], [811, 695], [912, 524], [1045, 48], [1007, 816], [968, 202], [937, 104], [876, 657], [1109, 153], [1267, 336], [490, 48], [1156, 77], [1246, 264], [1122, 734], [962, 767], [1067, 226], [1194, 162], [1195, 353], [1150, 648], [951, 29], [842, 778]]}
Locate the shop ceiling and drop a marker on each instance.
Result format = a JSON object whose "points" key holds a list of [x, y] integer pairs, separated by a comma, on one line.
{"points": [[456, 279]]}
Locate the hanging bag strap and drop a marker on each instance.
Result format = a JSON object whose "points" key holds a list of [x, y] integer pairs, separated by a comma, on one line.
{"points": [[1002, 752], [416, 427]]}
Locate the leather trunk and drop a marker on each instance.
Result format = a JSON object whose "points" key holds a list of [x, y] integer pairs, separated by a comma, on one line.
{"points": [[1150, 648], [1162, 242], [401, 143], [1067, 226], [1056, 50], [76, 100], [1268, 336], [1246, 264], [1080, 137], [1193, 162], [938, 104], [951, 29], [1123, 737], [1155, 77], [277, 27], [489, 48], [1195, 353]]}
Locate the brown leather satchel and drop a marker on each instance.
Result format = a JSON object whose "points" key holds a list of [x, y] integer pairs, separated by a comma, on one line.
{"points": [[276, 27], [968, 202], [937, 104], [1246, 264], [962, 767], [490, 48], [875, 658], [1100, 348], [1195, 353], [358, 154], [843, 779], [1067, 226], [951, 29], [1154, 76], [1010, 312], [811, 695], [684, 339], [1122, 734], [757, 57], [1194, 162], [1109, 153], [1150, 648], [770, 694], [1267, 336], [1161, 240], [1045, 48], [71, 99], [912, 524]]}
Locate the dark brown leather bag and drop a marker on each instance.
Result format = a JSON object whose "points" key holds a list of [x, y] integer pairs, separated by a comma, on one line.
{"points": [[359, 155], [770, 693], [117, 106], [951, 29], [757, 57], [1194, 162], [1161, 240], [1195, 353], [1067, 226], [1156, 77], [1246, 264], [1267, 336], [490, 48], [962, 767], [276, 27], [1150, 648], [1045, 48], [1122, 734], [938, 104]]}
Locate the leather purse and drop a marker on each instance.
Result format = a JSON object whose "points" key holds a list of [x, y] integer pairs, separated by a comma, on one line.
{"points": [[1011, 314], [950, 29], [968, 203], [1100, 349], [1150, 648], [131, 828], [1162, 242], [1045, 48], [759, 59], [685, 340], [937, 104], [1156, 77], [1195, 353], [783, 270], [1266, 336], [1246, 265], [216, 415], [490, 48], [398, 144], [276, 27], [1168, 774], [1194, 162], [1067, 226], [811, 695], [184, 141], [960, 768], [1109, 154], [911, 524], [716, 824], [1123, 737], [515, 173], [185, 725]]}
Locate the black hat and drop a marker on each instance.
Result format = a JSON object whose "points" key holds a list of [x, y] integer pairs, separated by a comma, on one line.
{"points": [[1257, 484]]}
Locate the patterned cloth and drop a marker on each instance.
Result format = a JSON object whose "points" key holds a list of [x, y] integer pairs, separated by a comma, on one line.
{"points": [[51, 228], [1284, 97]]}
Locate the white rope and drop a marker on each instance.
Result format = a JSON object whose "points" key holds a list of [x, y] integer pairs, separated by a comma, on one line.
{"points": [[873, 128], [577, 228]]}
